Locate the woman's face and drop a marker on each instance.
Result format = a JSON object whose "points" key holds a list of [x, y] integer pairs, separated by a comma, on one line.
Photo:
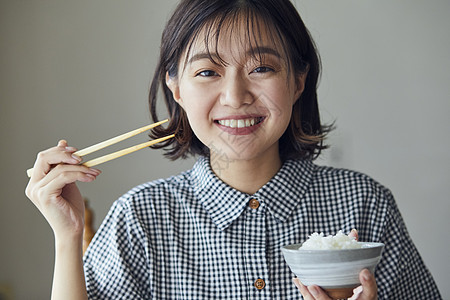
{"points": [[239, 109]]}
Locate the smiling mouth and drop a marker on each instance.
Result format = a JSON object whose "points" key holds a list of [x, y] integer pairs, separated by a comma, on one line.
{"points": [[240, 123]]}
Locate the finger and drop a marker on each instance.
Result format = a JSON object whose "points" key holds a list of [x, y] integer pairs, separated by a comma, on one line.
{"points": [[48, 158], [51, 185], [52, 190], [354, 233], [297, 282], [369, 285], [303, 289], [312, 292], [318, 293], [60, 170], [55, 187], [62, 143]]}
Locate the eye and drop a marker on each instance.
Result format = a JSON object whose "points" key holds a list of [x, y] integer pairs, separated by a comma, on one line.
{"points": [[263, 69], [206, 73]]}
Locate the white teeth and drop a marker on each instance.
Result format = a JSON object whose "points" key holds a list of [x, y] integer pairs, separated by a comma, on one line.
{"points": [[241, 123]]}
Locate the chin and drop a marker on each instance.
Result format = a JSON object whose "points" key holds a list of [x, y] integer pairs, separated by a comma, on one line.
{"points": [[231, 154]]}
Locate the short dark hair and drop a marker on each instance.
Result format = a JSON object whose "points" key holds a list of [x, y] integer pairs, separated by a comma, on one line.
{"points": [[303, 139]]}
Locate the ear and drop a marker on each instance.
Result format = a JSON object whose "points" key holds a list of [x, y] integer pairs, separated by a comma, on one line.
{"points": [[172, 84], [300, 81]]}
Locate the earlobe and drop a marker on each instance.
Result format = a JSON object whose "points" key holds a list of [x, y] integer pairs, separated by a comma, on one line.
{"points": [[172, 84]]}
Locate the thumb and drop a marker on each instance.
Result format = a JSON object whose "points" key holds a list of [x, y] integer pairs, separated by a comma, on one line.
{"points": [[354, 233], [369, 285]]}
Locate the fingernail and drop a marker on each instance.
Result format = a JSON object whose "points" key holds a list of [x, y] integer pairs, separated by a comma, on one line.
{"points": [[76, 157], [90, 176], [96, 171], [366, 275], [71, 149]]}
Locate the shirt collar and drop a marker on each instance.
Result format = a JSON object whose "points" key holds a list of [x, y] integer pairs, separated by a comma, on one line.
{"points": [[224, 204], [287, 188]]}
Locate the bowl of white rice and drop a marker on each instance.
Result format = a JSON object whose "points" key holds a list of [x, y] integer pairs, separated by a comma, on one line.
{"points": [[332, 262]]}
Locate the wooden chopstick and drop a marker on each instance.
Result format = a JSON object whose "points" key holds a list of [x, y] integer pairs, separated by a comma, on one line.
{"points": [[108, 157], [115, 140]]}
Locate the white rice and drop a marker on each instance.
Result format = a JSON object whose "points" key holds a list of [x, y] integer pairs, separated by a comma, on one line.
{"points": [[318, 241]]}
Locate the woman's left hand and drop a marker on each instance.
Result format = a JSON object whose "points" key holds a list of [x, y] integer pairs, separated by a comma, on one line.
{"points": [[368, 291]]}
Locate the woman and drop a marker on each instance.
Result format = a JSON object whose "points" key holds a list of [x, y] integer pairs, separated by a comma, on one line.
{"points": [[239, 79]]}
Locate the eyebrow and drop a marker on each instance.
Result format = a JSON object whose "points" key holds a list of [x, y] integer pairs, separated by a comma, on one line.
{"points": [[251, 51]]}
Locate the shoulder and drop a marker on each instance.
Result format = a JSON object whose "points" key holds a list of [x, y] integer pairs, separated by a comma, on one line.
{"points": [[338, 176], [345, 181], [358, 199]]}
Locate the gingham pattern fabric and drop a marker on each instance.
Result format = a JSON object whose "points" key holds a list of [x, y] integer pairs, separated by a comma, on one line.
{"points": [[192, 236]]}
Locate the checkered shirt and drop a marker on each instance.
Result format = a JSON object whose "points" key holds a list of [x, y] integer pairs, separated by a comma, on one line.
{"points": [[192, 236]]}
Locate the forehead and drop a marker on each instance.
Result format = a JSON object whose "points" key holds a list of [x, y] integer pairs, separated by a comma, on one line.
{"points": [[240, 36]]}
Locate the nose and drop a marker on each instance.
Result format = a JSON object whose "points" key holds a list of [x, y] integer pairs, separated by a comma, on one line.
{"points": [[235, 92]]}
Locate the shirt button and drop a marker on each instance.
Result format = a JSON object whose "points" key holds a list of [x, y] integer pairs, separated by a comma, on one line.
{"points": [[259, 284], [254, 204]]}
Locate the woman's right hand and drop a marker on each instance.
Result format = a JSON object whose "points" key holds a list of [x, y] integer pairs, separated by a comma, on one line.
{"points": [[53, 190]]}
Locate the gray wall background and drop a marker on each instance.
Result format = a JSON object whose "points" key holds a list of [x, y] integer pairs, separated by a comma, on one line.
{"points": [[80, 70]]}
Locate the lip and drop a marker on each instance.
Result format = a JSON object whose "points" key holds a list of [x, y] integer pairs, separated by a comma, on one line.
{"points": [[243, 130]]}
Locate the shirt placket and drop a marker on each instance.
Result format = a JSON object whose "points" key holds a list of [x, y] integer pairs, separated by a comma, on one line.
{"points": [[255, 250]]}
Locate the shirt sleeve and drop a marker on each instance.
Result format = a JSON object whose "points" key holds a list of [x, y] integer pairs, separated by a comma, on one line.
{"points": [[115, 265], [401, 273]]}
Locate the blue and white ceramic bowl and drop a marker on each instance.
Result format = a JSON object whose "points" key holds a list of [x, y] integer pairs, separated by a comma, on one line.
{"points": [[332, 269]]}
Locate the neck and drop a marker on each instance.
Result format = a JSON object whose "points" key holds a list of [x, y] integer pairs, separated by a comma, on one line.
{"points": [[248, 176]]}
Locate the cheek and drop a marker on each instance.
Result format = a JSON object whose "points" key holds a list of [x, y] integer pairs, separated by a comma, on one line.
{"points": [[197, 104], [190, 90], [279, 100]]}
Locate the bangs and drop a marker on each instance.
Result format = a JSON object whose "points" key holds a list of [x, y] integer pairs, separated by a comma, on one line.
{"points": [[243, 26]]}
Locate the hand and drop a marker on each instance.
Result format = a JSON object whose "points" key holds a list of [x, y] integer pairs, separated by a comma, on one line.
{"points": [[53, 190], [367, 290]]}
